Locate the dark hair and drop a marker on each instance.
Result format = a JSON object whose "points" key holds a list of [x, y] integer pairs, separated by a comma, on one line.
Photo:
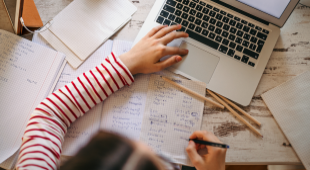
{"points": [[106, 151]]}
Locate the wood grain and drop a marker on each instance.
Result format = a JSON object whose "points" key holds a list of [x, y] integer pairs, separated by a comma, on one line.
{"points": [[291, 57], [5, 22]]}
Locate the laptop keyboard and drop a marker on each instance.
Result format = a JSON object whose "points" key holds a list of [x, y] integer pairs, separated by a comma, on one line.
{"points": [[216, 28]]}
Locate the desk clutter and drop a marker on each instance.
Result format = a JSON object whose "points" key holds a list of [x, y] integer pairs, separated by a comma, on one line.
{"points": [[150, 110]]}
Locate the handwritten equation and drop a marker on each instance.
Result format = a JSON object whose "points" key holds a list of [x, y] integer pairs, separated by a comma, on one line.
{"points": [[171, 116], [122, 112], [12, 49]]}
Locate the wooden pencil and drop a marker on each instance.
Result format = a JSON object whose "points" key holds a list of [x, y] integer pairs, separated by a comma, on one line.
{"points": [[194, 93], [240, 110], [235, 113]]}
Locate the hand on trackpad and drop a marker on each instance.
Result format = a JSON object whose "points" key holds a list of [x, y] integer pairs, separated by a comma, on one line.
{"points": [[198, 64]]}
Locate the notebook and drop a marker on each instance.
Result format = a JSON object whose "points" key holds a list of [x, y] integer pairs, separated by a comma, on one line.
{"points": [[123, 111], [84, 25], [289, 103], [27, 75], [171, 116]]}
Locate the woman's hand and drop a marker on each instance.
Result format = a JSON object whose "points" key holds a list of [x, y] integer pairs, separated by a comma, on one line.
{"points": [[213, 160], [145, 55]]}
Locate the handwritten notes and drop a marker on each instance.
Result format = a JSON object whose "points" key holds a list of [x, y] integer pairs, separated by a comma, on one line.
{"points": [[12, 49], [123, 111], [171, 116], [27, 71]]}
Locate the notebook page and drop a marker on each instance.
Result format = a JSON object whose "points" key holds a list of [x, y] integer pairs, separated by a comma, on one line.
{"points": [[27, 71], [122, 112], [85, 24], [171, 116], [289, 103], [82, 130]]}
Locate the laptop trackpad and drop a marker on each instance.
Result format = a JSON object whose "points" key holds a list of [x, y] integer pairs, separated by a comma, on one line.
{"points": [[198, 64]]}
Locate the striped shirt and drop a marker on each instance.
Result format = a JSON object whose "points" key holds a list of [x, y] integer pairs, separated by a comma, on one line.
{"points": [[48, 124]]}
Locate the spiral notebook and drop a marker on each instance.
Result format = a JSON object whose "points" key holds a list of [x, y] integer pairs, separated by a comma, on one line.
{"points": [[289, 103]]}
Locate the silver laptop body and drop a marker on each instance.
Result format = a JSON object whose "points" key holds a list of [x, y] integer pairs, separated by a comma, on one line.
{"points": [[230, 42]]}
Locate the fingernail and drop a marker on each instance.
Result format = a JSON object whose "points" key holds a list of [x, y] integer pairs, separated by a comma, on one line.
{"points": [[178, 58], [186, 50], [187, 35]]}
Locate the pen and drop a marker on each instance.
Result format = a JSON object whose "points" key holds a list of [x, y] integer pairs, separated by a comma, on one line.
{"points": [[209, 143]]}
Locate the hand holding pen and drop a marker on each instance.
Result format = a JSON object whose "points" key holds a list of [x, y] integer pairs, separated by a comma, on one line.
{"points": [[214, 159]]}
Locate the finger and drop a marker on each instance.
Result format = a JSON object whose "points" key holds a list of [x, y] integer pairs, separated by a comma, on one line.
{"points": [[175, 51], [173, 35], [193, 155], [155, 30], [168, 62], [167, 30]]}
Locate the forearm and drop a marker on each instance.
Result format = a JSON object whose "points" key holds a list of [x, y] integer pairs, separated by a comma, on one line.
{"points": [[44, 134]]}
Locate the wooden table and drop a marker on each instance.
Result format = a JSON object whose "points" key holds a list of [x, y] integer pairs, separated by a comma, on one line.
{"points": [[291, 57]]}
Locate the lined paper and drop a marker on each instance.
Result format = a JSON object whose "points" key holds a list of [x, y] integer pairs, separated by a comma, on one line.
{"points": [[289, 103], [27, 71], [171, 116], [85, 24]]}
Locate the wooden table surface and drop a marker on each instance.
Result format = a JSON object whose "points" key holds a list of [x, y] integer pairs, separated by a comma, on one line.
{"points": [[290, 57]]}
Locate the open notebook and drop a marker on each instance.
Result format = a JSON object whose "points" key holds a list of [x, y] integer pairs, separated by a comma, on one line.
{"points": [[127, 110], [84, 25], [27, 75]]}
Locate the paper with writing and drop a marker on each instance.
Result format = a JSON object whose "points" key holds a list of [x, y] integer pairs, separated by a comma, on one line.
{"points": [[27, 71], [122, 112], [171, 116], [85, 24]]}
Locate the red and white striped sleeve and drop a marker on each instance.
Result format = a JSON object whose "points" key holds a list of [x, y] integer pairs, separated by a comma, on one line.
{"points": [[45, 131]]}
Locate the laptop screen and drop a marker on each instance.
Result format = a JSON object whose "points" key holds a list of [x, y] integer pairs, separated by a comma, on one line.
{"points": [[272, 7]]}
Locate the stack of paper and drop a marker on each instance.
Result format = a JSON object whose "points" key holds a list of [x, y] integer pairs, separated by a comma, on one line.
{"points": [[84, 25]]}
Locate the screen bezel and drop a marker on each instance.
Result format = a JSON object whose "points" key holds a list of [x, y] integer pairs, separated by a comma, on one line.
{"points": [[262, 15]]}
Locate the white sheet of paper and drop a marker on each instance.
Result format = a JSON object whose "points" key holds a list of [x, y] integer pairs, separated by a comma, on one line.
{"points": [[27, 72], [289, 103], [85, 24], [72, 59], [171, 116]]}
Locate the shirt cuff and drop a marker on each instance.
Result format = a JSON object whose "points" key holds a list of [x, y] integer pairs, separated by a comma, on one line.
{"points": [[121, 67]]}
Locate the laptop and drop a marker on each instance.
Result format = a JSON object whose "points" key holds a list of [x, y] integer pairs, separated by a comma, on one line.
{"points": [[230, 41]]}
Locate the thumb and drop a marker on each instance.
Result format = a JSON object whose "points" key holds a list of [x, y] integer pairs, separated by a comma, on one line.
{"points": [[195, 158], [169, 62]]}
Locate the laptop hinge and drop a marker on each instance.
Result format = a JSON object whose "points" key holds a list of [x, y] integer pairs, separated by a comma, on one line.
{"points": [[241, 12]]}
